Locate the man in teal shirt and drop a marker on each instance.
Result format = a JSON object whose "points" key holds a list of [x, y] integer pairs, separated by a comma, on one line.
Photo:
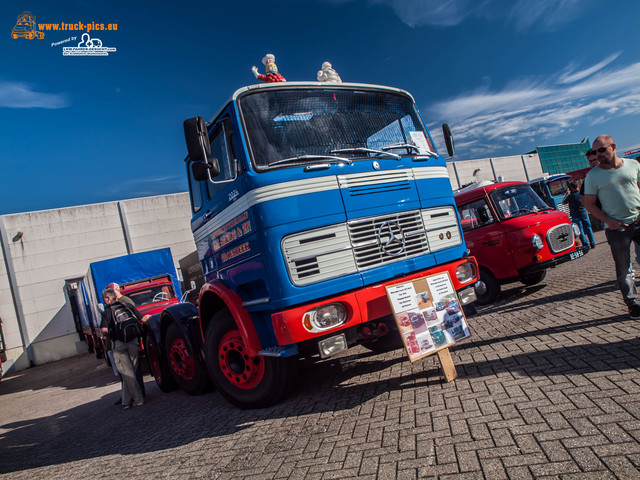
{"points": [[616, 183]]}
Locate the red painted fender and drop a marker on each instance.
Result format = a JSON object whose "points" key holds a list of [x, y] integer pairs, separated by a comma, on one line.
{"points": [[240, 315]]}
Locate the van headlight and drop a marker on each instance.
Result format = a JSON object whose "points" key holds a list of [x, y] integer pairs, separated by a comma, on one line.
{"points": [[576, 230], [324, 317], [466, 272], [536, 242]]}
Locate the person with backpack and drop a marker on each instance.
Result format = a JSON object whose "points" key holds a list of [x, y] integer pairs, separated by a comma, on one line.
{"points": [[123, 325]]}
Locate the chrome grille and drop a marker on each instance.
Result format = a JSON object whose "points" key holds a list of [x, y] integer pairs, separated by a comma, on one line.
{"points": [[365, 243], [370, 235], [560, 238]]}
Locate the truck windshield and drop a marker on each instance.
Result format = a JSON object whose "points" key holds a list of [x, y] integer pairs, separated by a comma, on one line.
{"points": [[558, 186], [157, 293], [516, 200], [306, 126]]}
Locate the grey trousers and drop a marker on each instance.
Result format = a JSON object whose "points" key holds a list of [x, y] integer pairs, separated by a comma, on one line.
{"points": [[126, 356], [620, 243]]}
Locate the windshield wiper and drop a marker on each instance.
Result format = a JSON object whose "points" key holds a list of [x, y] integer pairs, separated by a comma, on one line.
{"points": [[366, 150], [401, 145], [304, 159]]}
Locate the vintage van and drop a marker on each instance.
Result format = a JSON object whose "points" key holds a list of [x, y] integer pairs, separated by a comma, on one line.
{"points": [[514, 235]]}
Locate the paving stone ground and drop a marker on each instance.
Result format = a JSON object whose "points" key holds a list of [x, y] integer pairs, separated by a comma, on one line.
{"points": [[548, 387]]}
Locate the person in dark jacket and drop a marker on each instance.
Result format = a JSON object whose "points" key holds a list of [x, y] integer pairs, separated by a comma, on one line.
{"points": [[579, 214], [125, 350]]}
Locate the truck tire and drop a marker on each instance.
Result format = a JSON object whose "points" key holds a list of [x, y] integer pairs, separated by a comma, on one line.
{"points": [[158, 366], [187, 370], [533, 278], [493, 287], [246, 382]]}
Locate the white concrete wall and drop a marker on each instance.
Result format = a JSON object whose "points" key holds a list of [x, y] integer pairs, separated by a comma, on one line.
{"points": [[158, 222], [58, 245], [511, 168], [532, 163]]}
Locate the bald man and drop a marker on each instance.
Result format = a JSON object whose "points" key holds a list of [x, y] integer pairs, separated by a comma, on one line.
{"points": [[616, 183]]}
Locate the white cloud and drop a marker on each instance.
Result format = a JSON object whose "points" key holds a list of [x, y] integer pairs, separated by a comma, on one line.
{"points": [[569, 77], [22, 95], [539, 109]]}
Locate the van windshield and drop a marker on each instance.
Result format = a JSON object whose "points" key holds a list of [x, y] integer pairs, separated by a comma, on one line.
{"points": [[516, 200], [306, 126]]}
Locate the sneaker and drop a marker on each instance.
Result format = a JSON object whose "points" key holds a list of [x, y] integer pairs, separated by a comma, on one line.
{"points": [[593, 246], [126, 407], [142, 403], [634, 312]]}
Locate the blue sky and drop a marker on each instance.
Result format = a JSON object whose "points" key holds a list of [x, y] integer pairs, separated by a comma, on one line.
{"points": [[507, 75]]}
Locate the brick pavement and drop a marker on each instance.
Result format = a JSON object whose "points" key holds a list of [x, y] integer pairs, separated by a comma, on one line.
{"points": [[548, 387]]}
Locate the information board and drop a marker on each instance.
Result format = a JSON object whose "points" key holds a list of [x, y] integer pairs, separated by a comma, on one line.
{"points": [[428, 314]]}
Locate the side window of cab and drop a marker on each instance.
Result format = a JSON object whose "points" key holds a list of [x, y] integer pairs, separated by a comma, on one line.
{"points": [[222, 149], [475, 214], [195, 190]]}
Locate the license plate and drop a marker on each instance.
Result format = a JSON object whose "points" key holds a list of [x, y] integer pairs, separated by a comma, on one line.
{"points": [[576, 254]]}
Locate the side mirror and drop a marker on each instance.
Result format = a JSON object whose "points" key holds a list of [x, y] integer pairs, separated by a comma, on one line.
{"points": [[205, 170], [448, 139], [197, 138]]}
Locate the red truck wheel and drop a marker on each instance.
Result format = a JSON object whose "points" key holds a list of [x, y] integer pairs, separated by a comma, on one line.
{"points": [[189, 373], [158, 365], [245, 381]]}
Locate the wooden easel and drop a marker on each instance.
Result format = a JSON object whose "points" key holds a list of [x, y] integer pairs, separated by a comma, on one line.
{"points": [[446, 365]]}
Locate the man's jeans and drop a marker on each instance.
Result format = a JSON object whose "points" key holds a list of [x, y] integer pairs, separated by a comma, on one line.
{"points": [[620, 243]]}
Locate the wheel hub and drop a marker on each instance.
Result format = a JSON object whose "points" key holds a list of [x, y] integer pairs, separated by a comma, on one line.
{"points": [[181, 361], [237, 366]]}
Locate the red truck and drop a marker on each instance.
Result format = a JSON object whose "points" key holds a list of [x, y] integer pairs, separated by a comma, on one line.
{"points": [[514, 235], [147, 278]]}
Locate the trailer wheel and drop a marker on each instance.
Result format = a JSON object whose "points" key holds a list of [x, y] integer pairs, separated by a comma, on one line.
{"points": [[246, 382], [533, 278], [188, 371], [158, 366], [493, 287]]}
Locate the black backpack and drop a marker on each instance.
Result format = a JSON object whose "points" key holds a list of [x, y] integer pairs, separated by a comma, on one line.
{"points": [[126, 326]]}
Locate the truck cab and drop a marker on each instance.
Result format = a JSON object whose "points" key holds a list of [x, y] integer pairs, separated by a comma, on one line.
{"points": [[308, 199], [514, 235], [552, 190], [151, 295]]}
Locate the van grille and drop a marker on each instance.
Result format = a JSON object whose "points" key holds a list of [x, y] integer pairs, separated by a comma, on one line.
{"points": [[560, 238]]}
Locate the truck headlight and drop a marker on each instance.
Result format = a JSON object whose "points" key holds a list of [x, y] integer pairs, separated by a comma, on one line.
{"points": [[536, 242], [324, 317], [466, 272]]}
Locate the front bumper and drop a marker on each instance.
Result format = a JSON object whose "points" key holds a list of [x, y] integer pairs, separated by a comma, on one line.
{"points": [[537, 267], [362, 306]]}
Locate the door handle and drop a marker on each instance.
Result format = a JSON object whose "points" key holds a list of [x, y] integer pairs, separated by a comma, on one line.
{"points": [[208, 214]]}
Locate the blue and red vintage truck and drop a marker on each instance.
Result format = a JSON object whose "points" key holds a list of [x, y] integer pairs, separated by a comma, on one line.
{"points": [[307, 200]]}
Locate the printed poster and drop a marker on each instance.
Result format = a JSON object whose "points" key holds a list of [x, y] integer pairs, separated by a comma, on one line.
{"points": [[428, 314]]}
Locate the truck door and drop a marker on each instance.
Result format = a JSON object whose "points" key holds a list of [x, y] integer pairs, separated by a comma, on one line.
{"points": [[213, 196]]}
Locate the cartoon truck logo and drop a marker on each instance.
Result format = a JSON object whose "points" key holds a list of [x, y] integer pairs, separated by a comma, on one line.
{"points": [[26, 27]]}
